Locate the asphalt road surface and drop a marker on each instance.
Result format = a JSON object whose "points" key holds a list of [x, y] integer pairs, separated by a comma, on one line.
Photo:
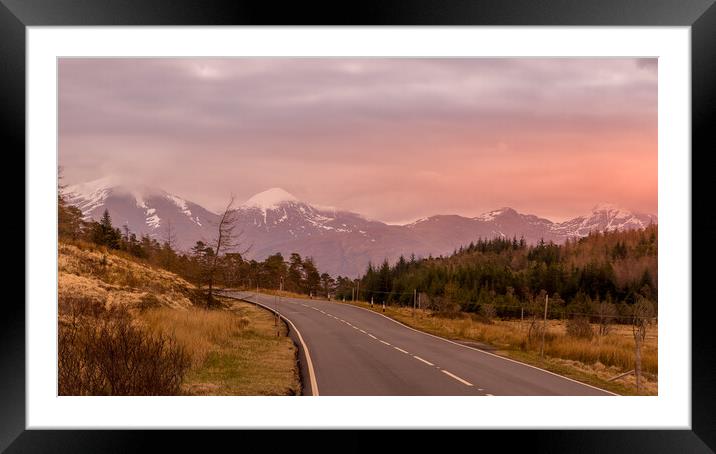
{"points": [[353, 351]]}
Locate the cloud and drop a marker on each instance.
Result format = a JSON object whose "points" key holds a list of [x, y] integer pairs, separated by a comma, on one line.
{"points": [[345, 131]]}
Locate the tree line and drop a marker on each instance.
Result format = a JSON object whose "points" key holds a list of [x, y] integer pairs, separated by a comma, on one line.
{"points": [[602, 273]]}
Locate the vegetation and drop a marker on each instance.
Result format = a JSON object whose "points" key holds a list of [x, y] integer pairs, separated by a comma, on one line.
{"points": [[103, 352], [493, 291], [234, 352], [219, 263], [600, 276], [130, 326]]}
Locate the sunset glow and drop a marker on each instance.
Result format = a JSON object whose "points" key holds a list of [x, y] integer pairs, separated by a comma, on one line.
{"points": [[393, 139]]}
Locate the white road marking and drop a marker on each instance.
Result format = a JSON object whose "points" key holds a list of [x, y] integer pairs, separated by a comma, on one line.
{"points": [[484, 352], [372, 336], [355, 327], [421, 359], [489, 394], [457, 378], [385, 342], [362, 331], [401, 350]]}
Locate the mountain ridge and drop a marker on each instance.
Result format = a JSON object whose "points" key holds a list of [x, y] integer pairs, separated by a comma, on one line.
{"points": [[341, 242]]}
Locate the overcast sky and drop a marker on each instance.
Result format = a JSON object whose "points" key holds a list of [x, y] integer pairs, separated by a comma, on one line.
{"points": [[393, 139]]}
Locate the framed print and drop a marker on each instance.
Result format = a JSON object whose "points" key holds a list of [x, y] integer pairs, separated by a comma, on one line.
{"points": [[410, 218]]}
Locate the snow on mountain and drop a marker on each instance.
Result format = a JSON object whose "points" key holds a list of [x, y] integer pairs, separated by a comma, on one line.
{"points": [[604, 217], [492, 215], [144, 210], [341, 242], [269, 199]]}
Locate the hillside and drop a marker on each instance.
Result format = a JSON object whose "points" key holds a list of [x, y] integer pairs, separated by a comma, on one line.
{"points": [[108, 277], [129, 328]]}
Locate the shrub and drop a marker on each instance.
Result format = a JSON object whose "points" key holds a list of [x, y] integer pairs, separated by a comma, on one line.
{"points": [[579, 327], [148, 301], [488, 311], [101, 352]]}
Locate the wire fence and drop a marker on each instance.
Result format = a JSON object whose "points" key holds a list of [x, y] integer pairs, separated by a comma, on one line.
{"points": [[531, 309]]}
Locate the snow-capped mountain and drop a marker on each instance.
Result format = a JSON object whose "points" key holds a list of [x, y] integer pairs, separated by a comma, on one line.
{"points": [[604, 216], [341, 242], [143, 209]]}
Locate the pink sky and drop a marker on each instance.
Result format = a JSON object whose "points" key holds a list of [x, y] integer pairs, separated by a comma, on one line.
{"points": [[393, 139]]}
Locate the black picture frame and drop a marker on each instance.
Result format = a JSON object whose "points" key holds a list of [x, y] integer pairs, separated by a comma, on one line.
{"points": [[700, 15]]}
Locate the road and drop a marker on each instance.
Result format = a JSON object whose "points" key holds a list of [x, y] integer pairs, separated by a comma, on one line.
{"points": [[358, 352]]}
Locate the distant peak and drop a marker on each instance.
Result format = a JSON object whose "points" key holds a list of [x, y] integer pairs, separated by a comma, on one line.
{"points": [[612, 209], [88, 187], [269, 199], [605, 206], [490, 215], [119, 184]]}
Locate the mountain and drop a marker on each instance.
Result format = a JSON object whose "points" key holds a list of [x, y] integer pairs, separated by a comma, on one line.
{"points": [[604, 216], [341, 242], [144, 210]]}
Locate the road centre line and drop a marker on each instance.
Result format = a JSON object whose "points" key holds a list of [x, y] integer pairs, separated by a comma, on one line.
{"points": [[421, 359], [482, 351], [385, 342], [457, 378], [401, 350]]}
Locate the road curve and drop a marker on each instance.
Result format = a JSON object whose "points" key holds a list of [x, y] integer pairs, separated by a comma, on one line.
{"points": [[358, 352]]}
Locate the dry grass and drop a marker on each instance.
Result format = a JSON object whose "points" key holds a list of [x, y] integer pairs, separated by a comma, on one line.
{"points": [[595, 360], [92, 270], [103, 351], [234, 352]]}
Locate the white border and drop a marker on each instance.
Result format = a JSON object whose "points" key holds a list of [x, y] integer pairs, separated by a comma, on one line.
{"points": [[671, 409]]}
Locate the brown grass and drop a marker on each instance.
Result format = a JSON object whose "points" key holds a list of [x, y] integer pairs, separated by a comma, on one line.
{"points": [[239, 351], [102, 351], [92, 270], [229, 352]]}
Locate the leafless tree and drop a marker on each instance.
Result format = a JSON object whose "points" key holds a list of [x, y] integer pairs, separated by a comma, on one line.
{"points": [[606, 313], [169, 235], [643, 315], [226, 240]]}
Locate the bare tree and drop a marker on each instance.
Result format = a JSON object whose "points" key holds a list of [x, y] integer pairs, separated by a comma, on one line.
{"points": [[643, 314], [169, 235], [226, 240], [606, 313]]}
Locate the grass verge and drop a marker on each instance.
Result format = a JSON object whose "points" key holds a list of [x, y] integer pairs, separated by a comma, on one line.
{"points": [[238, 351]]}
